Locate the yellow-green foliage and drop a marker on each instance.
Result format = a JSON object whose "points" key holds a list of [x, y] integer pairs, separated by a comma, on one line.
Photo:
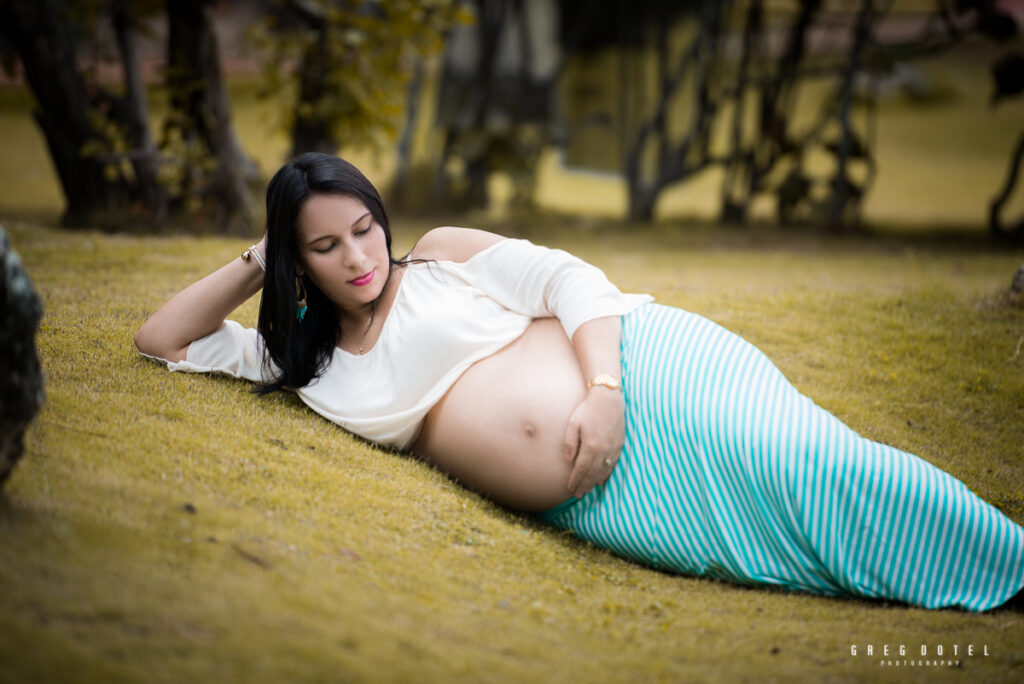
{"points": [[171, 527]]}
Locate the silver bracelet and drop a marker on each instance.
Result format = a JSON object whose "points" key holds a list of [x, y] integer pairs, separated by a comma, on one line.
{"points": [[257, 257]]}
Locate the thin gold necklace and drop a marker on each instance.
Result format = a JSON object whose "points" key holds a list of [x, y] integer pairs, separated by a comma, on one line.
{"points": [[373, 310]]}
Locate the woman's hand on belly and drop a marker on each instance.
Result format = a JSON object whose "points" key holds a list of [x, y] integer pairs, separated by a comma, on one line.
{"points": [[597, 426], [594, 438]]}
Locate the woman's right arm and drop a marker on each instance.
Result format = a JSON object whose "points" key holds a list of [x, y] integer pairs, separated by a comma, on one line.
{"points": [[199, 309]]}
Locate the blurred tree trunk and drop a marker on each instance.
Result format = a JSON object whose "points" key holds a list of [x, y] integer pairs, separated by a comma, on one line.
{"points": [[497, 100], [739, 181], [675, 161], [354, 60], [312, 130], [995, 221], [400, 185], [46, 48], [748, 166], [466, 103], [845, 194], [198, 95], [144, 155]]}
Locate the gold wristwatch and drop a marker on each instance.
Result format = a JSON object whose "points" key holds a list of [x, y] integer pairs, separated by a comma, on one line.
{"points": [[604, 380]]}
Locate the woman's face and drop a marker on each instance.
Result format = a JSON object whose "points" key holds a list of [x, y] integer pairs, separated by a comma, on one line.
{"points": [[342, 249]]}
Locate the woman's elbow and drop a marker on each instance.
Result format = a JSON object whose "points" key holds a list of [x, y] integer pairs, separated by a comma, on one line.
{"points": [[144, 341], [148, 342]]}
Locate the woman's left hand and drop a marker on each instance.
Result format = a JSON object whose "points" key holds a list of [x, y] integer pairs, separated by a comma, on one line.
{"points": [[594, 438]]}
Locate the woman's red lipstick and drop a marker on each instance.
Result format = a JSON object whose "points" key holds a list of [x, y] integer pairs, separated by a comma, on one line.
{"points": [[363, 279]]}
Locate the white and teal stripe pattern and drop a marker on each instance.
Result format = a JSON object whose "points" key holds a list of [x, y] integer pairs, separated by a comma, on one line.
{"points": [[728, 471]]}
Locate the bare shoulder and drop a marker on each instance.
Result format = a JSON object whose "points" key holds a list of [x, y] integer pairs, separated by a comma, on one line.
{"points": [[453, 244]]}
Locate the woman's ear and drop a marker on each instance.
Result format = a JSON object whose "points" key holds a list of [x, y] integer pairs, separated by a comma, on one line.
{"points": [[299, 271]]}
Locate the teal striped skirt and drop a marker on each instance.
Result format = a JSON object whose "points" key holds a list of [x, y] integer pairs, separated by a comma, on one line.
{"points": [[728, 471]]}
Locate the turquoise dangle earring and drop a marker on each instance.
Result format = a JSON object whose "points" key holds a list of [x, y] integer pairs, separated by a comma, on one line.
{"points": [[300, 298]]}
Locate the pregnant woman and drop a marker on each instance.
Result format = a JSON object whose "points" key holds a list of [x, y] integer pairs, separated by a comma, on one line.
{"points": [[522, 372]]}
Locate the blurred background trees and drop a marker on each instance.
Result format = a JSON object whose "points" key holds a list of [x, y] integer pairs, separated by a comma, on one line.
{"points": [[778, 99], [110, 168], [339, 70]]}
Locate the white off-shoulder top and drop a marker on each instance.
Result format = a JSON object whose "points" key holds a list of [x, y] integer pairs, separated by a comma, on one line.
{"points": [[445, 317]]}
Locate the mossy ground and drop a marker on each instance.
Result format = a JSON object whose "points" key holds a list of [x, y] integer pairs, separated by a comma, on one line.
{"points": [[172, 527]]}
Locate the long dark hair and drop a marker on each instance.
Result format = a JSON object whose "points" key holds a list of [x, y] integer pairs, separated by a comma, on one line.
{"points": [[303, 349]]}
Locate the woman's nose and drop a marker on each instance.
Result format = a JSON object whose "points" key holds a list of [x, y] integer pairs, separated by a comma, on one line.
{"points": [[353, 257]]}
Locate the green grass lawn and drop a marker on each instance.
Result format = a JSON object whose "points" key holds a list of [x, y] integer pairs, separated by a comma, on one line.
{"points": [[171, 527]]}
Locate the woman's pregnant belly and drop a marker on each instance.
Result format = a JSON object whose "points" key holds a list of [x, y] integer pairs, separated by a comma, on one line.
{"points": [[499, 430]]}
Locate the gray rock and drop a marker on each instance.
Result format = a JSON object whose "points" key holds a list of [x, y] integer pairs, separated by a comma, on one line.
{"points": [[21, 379]]}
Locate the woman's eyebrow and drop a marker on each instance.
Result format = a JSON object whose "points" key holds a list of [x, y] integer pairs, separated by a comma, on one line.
{"points": [[359, 219]]}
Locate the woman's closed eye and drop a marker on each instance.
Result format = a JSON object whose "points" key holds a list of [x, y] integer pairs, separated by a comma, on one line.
{"points": [[325, 246]]}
